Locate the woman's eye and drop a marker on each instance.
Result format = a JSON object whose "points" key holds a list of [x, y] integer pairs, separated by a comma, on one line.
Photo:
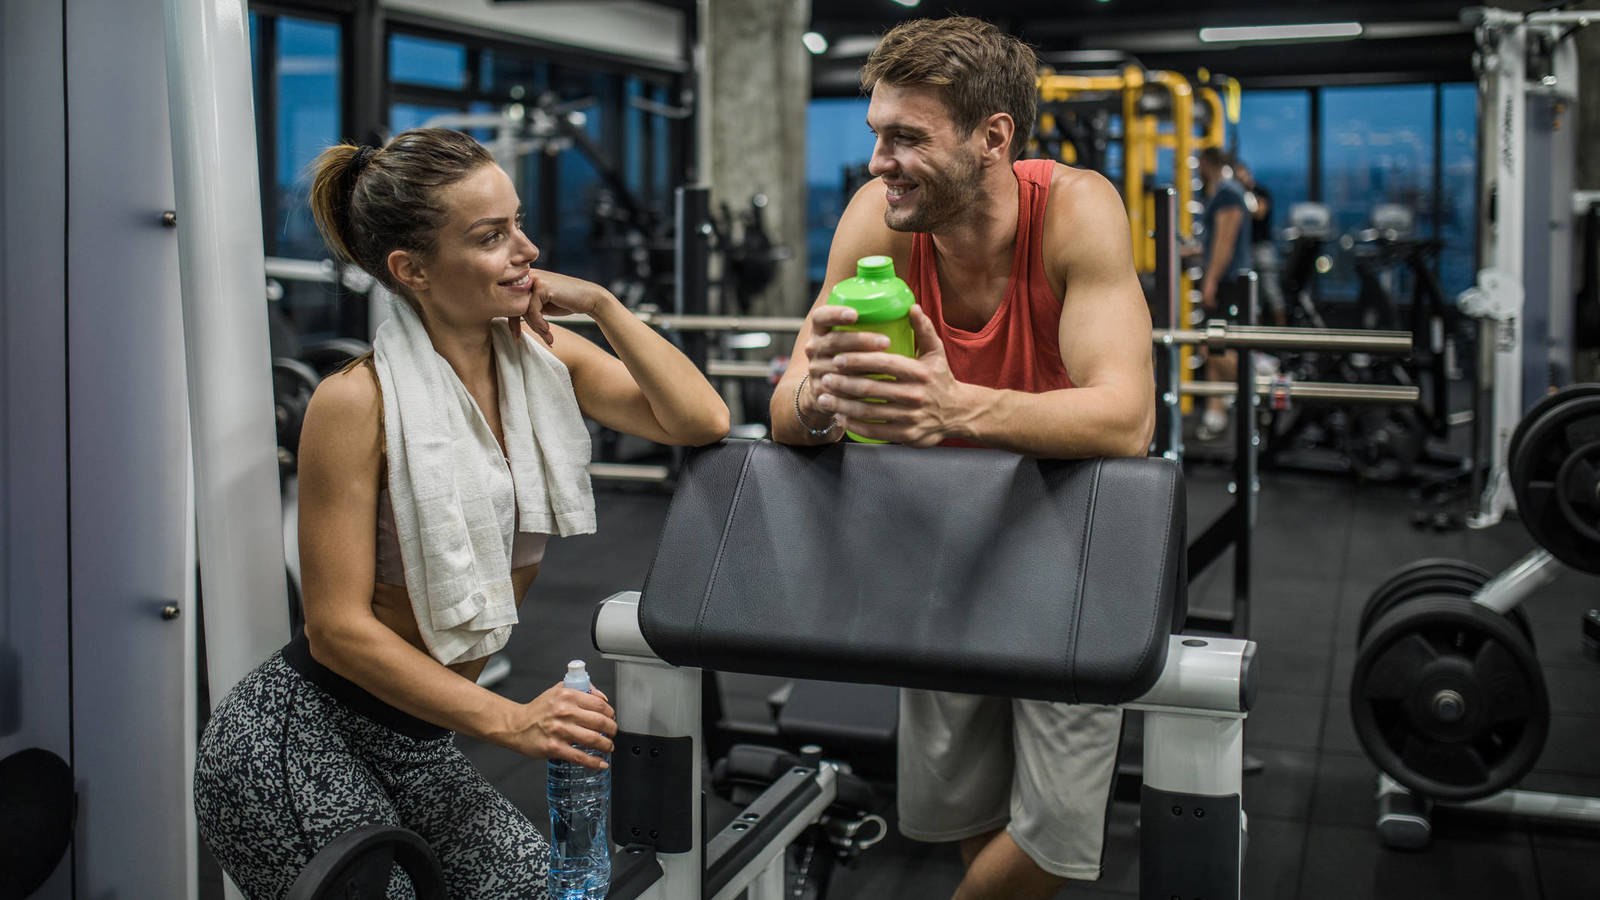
{"points": [[491, 237]]}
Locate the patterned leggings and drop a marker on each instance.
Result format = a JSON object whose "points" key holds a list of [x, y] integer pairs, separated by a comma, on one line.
{"points": [[284, 768]]}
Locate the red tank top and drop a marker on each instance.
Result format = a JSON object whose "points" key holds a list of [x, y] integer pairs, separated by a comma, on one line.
{"points": [[1019, 348]]}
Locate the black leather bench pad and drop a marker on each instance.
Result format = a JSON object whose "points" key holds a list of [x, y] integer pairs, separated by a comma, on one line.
{"points": [[965, 570]]}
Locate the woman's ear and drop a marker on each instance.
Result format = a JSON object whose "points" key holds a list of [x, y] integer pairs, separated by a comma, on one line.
{"points": [[405, 268]]}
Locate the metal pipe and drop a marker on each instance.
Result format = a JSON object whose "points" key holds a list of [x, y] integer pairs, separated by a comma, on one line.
{"points": [[1219, 335], [1313, 391], [671, 322]]}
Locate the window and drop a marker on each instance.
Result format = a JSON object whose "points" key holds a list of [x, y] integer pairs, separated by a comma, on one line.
{"points": [[1377, 148], [428, 63], [297, 67], [837, 141], [307, 121], [1274, 140], [1458, 187], [561, 182]]}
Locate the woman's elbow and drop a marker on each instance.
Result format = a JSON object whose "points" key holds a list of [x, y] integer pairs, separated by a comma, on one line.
{"points": [[707, 428]]}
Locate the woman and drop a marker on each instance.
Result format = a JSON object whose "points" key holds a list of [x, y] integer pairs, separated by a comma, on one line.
{"points": [[353, 722]]}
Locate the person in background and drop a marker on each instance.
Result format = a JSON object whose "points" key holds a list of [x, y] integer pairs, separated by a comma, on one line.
{"points": [[1225, 257], [1263, 249]]}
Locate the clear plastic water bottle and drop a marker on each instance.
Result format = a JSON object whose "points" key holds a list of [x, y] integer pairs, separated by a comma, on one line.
{"points": [[580, 813]]}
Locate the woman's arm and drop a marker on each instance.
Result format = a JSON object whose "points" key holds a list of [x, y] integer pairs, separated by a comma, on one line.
{"points": [[648, 389], [340, 455]]}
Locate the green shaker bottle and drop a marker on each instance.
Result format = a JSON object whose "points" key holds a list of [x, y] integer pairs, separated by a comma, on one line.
{"points": [[883, 304]]}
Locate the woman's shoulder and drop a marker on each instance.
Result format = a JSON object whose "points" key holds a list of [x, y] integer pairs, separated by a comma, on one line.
{"points": [[350, 392], [344, 420]]}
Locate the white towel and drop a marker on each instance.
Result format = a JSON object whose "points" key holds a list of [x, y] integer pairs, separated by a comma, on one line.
{"points": [[452, 491]]}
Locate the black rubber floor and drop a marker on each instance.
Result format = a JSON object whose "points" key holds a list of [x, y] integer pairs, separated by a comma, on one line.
{"points": [[1322, 544]]}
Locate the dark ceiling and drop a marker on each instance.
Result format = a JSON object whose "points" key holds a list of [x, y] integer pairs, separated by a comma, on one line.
{"points": [[1403, 40]]}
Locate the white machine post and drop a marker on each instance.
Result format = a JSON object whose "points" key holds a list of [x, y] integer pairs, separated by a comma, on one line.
{"points": [[656, 698], [225, 335], [1523, 292]]}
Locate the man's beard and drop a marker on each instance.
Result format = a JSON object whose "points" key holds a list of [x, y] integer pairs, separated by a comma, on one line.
{"points": [[942, 198]]}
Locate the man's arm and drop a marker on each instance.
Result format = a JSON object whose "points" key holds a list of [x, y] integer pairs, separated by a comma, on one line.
{"points": [[861, 232], [1104, 336], [1105, 345]]}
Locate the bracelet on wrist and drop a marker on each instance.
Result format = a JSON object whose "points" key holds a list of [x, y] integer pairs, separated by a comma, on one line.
{"points": [[833, 421]]}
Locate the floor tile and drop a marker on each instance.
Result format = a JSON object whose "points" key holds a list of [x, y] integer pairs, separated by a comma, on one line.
{"points": [[1342, 862]]}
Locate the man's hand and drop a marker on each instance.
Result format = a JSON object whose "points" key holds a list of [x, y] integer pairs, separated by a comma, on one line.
{"points": [[824, 345], [1208, 293], [922, 407]]}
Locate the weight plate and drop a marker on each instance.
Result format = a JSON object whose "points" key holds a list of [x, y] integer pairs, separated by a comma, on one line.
{"points": [[1424, 576], [1555, 474], [293, 383], [1538, 410], [1447, 697]]}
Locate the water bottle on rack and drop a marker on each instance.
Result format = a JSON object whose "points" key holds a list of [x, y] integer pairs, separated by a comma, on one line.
{"points": [[580, 808]]}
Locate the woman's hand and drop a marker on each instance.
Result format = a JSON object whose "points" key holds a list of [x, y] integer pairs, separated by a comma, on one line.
{"points": [[554, 294], [548, 726]]}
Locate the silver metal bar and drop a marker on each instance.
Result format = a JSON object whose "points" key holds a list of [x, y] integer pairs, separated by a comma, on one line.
{"points": [[674, 322], [314, 270], [1562, 807], [769, 886], [1526, 576], [1220, 335], [629, 472], [738, 368], [756, 874], [1311, 391]]}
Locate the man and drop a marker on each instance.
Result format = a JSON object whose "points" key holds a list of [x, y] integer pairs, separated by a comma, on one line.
{"points": [[1032, 336], [1226, 255], [1263, 249]]}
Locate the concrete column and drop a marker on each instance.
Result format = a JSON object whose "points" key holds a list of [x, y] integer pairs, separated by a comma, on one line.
{"points": [[755, 84]]}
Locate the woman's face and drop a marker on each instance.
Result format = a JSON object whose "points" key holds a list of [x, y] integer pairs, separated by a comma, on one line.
{"points": [[480, 268]]}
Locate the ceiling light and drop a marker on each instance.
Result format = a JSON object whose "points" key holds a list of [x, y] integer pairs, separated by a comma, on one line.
{"points": [[908, 3], [1282, 32], [814, 42]]}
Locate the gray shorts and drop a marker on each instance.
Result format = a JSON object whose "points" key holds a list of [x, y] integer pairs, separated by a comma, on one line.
{"points": [[1043, 771]]}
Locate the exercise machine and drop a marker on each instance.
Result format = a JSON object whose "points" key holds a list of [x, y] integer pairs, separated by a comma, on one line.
{"points": [[1054, 580], [1527, 69]]}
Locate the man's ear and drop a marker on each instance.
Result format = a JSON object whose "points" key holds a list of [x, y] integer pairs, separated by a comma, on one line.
{"points": [[997, 131], [407, 270]]}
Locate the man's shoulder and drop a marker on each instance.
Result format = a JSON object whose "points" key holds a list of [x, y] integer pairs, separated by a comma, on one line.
{"points": [[1230, 191]]}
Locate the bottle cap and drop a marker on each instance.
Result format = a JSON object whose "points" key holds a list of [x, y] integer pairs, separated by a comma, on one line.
{"points": [[577, 667], [875, 293], [874, 267]]}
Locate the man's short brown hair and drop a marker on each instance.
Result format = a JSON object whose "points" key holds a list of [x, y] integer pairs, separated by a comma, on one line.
{"points": [[978, 69]]}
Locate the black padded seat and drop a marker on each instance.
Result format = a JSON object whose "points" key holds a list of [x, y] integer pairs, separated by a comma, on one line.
{"points": [[951, 569]]}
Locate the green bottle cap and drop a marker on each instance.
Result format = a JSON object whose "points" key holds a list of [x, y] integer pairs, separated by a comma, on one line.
{"points": [[874, 267], [875, 293]]}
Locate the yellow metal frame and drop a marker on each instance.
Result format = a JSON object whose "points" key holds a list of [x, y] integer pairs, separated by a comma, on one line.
{"points": [[1142, 138]]}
